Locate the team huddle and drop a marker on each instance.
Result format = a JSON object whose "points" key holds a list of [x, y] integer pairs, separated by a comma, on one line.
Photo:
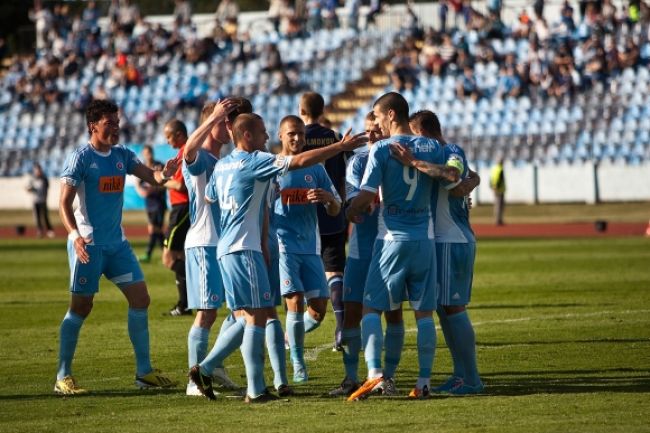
{"points": [[267, 230]]}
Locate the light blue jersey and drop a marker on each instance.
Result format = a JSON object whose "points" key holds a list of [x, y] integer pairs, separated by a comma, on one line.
{"points": [[240, 183], [99, 179], [363, 234], [405, 212], [204, 217], [450, 214], [296, 217]]}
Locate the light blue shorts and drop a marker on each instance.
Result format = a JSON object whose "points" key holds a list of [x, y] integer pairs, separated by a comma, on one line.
{"points": [[245, 280], [401, 271], [204, 283], [455, 272], [303, 273], [116, 261], [354, 279]]}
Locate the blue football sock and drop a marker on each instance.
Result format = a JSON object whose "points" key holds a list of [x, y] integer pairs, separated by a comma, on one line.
{"points": [[197, 344], [68, 336], [227, 342], [252, 350], [227, 323], [426, 342], [451, 342], [351, 339], [296, 336], [277, 355], [310, 322], [139, 335], [373, 340], [335, 285], [393, 344], [463, 332]]}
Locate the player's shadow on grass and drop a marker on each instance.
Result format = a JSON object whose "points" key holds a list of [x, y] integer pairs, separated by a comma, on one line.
{"points": [[567, 382], [530, 306], [98, 394], [555, 342]]}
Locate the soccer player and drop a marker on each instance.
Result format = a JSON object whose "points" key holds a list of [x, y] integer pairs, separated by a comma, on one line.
{"points": [[455, 252], [179, 219], [362, 239], [155, 203], [240, 184], [302, 275], [332, 227], [95, 174], [204, 283], [403, 255]]}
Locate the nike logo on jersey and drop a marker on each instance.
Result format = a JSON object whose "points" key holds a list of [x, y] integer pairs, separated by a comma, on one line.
{"points": [[294, 196]]}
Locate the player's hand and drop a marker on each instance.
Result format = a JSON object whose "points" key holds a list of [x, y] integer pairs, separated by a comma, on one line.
{"points": [[450, 173], [223, 108], [355, 219], [469, 202], [351, 142], [319, 195], [80, 249], [402, 154], [170, 167]]}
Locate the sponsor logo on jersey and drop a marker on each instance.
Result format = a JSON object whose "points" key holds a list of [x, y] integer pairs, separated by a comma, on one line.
{"points": [[294, 196], [111, 184]]}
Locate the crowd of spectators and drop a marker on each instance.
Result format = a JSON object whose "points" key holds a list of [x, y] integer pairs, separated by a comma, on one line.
{"points": [[560, 58]]}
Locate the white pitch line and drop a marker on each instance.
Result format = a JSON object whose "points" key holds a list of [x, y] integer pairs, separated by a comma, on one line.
{"points": [[312, 354]]}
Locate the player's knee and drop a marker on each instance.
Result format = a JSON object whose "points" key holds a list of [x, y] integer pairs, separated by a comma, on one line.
{"points": [[295, 302], [453, 309], [205, 318]]}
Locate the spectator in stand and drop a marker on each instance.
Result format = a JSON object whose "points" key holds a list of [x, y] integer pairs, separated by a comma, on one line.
{"points": [[467, 85], [270, 59], [38, 186], [43, 19], [373, 10], [90, 16], [127, 15], [275, 12], [183, 11], [509, 83], [227, 11], [352, 13], [331, 20], [314, 15]]}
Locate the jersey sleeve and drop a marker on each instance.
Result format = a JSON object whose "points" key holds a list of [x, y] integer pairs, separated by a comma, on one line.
{"points": [[266, 165], [197, 166], [74, 170], [353, 177], [131, 160], [374, 168], [325, 182]]}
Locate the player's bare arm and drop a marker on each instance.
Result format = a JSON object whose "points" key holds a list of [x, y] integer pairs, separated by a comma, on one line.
{"points": [[156, 177], [315, 156], [360, 204], [326, 198], [404, 156], [467, 185], [203, 132], [68, 193]]}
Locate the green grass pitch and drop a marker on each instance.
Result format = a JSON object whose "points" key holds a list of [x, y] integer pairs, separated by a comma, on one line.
{"points": [[563, 339]]}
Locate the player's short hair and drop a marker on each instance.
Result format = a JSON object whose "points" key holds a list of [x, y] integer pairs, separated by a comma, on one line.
{"points": [[97, 109], [426, 121], [291, 118], [312, 104], [396, 102], [177, 126], [243, 106], [244, 122], [370, 117]]}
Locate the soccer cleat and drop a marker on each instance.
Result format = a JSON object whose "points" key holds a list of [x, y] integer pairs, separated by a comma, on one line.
{"points": [[300, 375], [202, 382], [178, 311], [461, 388], [50, 234], [144, 258], [347, 387], [387, 388], [419, 393], [155, 379], [68, 386], [193, 390], [221, 379], [368, 386], [265, 397], [286, 391], [449, 384]]}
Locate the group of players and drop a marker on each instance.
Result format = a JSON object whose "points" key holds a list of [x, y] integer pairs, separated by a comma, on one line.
{"points": [[253, 240]]}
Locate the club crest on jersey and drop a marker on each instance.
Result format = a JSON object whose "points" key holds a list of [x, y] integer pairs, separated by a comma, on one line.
{"points": [[309, 178], [83, 280], [119, 165], [267, 296], [287, 282], [214, 298]]}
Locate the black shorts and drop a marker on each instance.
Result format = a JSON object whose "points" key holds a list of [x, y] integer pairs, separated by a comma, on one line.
{"points": [[333, 251], [179, 224], [156, 217]]}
